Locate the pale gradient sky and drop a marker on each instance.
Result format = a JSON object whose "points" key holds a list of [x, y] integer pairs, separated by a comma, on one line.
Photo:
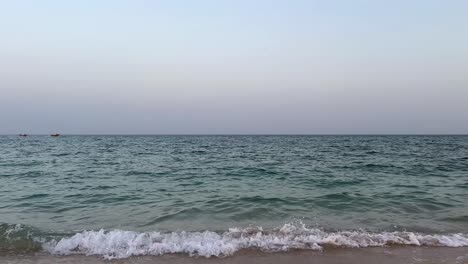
{"points": [[215, 67]]}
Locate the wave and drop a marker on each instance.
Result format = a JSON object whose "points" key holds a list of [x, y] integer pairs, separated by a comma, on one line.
{"points": [[117, 244], [18, 237], [123, 244]]}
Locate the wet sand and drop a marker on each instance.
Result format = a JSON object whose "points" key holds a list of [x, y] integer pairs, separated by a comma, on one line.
{"points": [[385, 255]]}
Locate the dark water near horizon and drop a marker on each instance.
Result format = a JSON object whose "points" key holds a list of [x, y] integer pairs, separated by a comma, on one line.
{"points": [[204, 189]]}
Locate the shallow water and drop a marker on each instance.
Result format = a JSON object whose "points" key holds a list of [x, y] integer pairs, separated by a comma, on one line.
{"points": [[56, 187]]}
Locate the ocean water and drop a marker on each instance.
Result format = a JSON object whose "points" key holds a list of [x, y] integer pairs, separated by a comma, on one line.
{"points": [[118, 196]]}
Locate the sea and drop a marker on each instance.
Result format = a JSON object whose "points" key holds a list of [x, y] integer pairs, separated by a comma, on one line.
{"points": [[116, 197]]}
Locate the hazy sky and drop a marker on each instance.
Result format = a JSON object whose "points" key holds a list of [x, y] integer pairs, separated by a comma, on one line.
{"points": [[191, 67]]}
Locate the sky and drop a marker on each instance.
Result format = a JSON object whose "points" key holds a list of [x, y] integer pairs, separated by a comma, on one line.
{"points": [[234, 67]]}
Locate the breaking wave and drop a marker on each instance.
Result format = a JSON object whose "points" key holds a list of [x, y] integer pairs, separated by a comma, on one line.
{"points": [[123, 244], [118, 244]]}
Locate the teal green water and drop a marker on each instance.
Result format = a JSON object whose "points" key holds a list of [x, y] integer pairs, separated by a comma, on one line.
{"points": [[194, 183]]}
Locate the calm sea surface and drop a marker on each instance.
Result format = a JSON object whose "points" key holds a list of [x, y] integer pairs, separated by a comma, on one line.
{"points": [[53, 188]]}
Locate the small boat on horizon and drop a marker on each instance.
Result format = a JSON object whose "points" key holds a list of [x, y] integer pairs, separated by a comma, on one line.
{"points": [[55, 135], [23, 135]]}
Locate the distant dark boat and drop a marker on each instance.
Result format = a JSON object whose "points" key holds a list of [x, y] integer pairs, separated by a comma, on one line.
{"points": [[23, 135], [55, 135]]}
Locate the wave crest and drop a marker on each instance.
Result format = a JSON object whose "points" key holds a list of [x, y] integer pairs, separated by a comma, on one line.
{"points": [[123, 244]]}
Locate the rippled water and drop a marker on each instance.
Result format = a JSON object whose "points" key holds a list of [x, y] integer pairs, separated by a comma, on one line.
{"points": [[60, 186]]}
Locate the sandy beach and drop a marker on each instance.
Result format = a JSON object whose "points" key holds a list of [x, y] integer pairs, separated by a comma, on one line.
{"points": [[384, 255]]}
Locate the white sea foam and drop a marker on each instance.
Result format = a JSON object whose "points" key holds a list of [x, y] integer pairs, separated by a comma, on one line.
{"points": [[123, 244]]}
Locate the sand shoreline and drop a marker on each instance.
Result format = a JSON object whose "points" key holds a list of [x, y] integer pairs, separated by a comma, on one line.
{"points": [[381, 255]]}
